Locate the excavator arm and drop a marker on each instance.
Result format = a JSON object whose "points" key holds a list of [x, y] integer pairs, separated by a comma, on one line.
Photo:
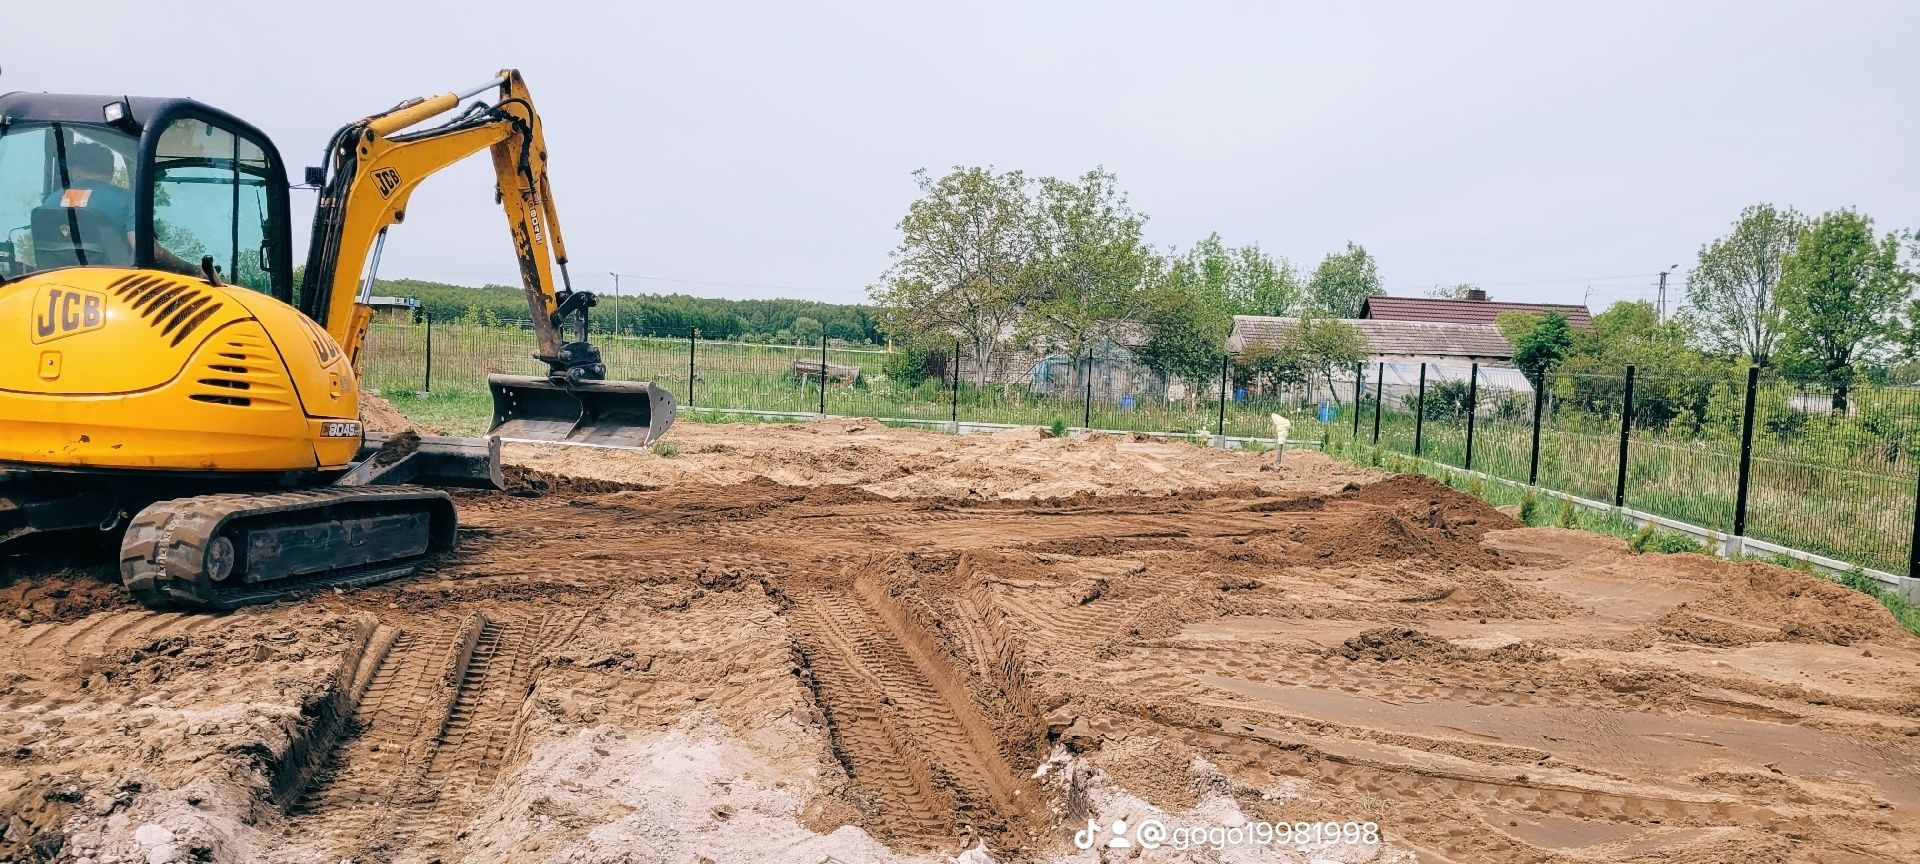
{"points": [[372, 168]]}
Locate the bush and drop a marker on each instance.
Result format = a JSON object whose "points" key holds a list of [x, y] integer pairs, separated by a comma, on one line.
{"points": [[666, 450], [912, 365], [1567, 516], [1530, 509], [1059, 428]]}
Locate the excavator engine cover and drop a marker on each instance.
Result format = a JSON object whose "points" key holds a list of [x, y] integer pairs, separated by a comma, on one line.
{"points": [[603, 413]]}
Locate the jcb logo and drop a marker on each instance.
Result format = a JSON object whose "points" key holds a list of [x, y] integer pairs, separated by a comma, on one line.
{"points": [[63, 312], [388, 179], [324, 348]]}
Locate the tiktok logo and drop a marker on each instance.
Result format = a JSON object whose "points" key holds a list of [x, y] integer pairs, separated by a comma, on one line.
{"points": [[1085, 838]]}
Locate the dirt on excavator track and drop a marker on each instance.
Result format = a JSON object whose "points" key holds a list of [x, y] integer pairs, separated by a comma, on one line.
{"points": [[842, 642]]}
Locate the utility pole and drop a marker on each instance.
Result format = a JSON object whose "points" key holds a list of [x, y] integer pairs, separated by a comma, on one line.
{"points": [[616, 302], [1662, 318]]}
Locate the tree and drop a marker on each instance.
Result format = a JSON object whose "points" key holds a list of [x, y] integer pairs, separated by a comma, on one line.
{"points": [[966, 250], [1307, 355], [1731, 290], [1450, 292], [1263, 285], [1241, 280], [1089, 266], [1185, 339], [806, 330], [1674, 381], [1839, 295], [1341, 282], [1540, 348]]}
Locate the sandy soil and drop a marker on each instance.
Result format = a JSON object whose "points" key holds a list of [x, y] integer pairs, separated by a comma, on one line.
{"points": [[841, 642]]}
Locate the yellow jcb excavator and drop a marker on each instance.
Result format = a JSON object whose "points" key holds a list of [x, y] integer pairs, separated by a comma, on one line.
{"points": [[162, 375]]}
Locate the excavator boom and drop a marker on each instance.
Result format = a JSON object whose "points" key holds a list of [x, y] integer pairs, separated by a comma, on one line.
{"points": [[372, 168]]}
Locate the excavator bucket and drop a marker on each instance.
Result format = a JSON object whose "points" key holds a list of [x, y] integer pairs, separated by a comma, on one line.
{"points": [[603, 413]]}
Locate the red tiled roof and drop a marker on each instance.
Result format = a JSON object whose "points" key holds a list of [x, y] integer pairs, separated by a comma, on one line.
{"points": [[1462, 311]]}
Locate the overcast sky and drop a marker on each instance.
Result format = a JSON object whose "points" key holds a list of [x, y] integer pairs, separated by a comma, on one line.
{"points": [[767, 149]]}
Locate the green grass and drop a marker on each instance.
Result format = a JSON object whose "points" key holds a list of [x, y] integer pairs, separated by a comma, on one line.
{"points": [[456, 411]]}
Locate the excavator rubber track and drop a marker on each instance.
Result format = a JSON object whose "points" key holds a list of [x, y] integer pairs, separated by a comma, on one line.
{"points": [[221, 552]]}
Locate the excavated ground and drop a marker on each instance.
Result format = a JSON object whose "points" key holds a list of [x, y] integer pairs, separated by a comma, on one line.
{"points": [[841, 642]]}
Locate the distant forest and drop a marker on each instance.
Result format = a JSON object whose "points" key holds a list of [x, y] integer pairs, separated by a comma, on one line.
{"points": [[654, 314]]}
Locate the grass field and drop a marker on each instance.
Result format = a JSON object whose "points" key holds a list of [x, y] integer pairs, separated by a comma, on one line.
{"points": [[1849, 505]]}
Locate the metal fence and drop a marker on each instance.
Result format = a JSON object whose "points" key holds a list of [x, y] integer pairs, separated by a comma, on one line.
{"points": [[1824, 472], [1829, 473]]}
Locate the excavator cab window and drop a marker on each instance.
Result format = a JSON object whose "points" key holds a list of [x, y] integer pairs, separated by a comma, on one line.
{"points": [[210, 200], [65, 197]]}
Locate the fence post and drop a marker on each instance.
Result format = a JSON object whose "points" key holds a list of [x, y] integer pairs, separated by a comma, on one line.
{"points": [[1746, 456], [1420, 410], [1220, 425], [426, 385], [1626, 431], [956, 386], [1359, 393], [1913, 544], [1379, 399], [1086, 420], [1473, 408], [693, 339], [1539, 399]]}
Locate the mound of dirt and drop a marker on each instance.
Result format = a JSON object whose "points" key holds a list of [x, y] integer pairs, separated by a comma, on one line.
{"points": [[1388, 644]]}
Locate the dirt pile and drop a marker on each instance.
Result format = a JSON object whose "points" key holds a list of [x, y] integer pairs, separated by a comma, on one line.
{"points": [[860, 644], [379, 415]]}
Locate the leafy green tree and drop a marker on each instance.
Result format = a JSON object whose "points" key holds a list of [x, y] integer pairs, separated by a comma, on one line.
{"points": [[1540, 348], [1262, 284], [1731, 292], [807, 330], [1341, 282], [1185, 339], [1674, 381], [1308, 355], [1089, 268], [961, 269], [1242, 280], [1450, 292], [1839, 295]]}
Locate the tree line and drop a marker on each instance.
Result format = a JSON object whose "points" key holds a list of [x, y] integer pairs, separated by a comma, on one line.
{"points": [[996, 259], [781, 320]]}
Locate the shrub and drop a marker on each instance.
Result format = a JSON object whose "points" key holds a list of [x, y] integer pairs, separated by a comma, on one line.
{"points": [[1530, 509], [1059, 428], [1567, 516], [666, 450]]}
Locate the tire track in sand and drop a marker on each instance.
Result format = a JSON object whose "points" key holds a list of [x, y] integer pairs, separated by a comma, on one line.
{"points": [[437, 721], [924, 761]]}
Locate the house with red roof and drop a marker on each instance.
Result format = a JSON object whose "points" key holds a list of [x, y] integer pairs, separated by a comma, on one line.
{"points": [[1475, 309]]}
